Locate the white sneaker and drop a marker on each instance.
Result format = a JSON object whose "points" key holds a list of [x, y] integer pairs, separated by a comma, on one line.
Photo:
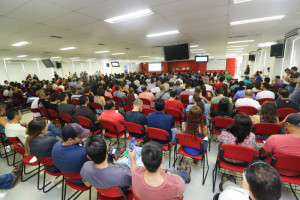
{"points": [[8, 149]]}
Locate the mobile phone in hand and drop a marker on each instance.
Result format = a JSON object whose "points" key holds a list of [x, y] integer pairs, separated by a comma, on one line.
{"points": [[132, 143]]}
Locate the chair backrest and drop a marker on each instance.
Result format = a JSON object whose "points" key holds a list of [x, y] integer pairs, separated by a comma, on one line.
{"points": [[222, 122], [158, 134], [266, 128], [189, 140], [66, 117], [13, 140], [215, 106], [185, 98], [46, 161], [97, 106], [59, 90], [249, 110], [43, 111], [118, 99], [286, 162], [53, 113], [85, 122], [146, 111], [175, 113], [128, 108], [75, 102], [34, 110], [261, 101], [107, 98], [108, 125], [283, 112], [19, 149], [145, 101], [111, 192], [134, 128], [71, 176], [238, 152]]}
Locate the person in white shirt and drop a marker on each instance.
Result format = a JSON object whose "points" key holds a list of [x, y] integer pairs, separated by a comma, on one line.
{"points": [[14, 128], [55, 85], [156, 89], [137, 83], [248, 101], [152, 84], [179, 79], [265, 93], [206, 84], [39, 102]]}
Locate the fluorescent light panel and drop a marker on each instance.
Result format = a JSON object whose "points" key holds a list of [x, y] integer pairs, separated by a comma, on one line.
{"points": [[263, 19], [55, 57], [23, 43], [7, 59], [67, 48], [22, 56], [74, 58], [35, 59], [129, 16], [197, 49], [102, 51], [240, 1], [117, 54], [163, 33], [144, 56], [237, 46], [193, 46], [235, 49], [266, 44], [243, 41]]}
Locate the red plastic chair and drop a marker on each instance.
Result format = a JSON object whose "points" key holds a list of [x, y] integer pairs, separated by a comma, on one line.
{"points": [[54, 117], [107, 98], [35, 110], [215, 106], [119, 101], [265, 129], [188, 140], [80, 188], [248, 110], [47, 162], [284, 112], [236, 152], [128, 108], [176, 114], [111, 130], [185, 100], [115, 193], [162, 136], [261, 101], [59, 90], [146, 111], [75, 102], [97, 106], [87, 123], [44, 112], [66, 118], [289, 163], [219, 123], [6, 154], [146, 102], [137, 129]]}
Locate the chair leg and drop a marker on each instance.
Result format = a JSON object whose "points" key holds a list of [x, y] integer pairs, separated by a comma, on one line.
{"points": [[62, 188], [204, 177], [293, 191], [38, 178], [214, 173]]}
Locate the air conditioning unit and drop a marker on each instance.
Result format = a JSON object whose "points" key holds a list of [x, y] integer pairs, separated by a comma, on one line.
{"points": [[293, 34]]}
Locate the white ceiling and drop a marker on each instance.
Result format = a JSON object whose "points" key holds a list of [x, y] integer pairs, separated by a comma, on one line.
{"points": [[81, 23]]}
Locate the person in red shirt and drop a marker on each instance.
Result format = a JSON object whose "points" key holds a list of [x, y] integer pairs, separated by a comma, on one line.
{"points": [[112, 115], [147, 95], [173, 103], [219, 85]]}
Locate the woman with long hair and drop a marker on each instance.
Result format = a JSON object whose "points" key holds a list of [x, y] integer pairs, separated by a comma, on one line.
{"points": [[130, 97], [3, 121], [194, 125], [224, 109], [267, 114], [99, 98], [38, 141]]}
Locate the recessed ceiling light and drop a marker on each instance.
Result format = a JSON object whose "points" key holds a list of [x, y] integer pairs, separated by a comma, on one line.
{"points": [[102, 51], [243, 41], [192, 46], [266, 44], [7, 59], [144, 56], [74, 58], [129, 16], [235, 49], [23, 43], [197, 49], [263, 19], [55, 57], [22, 56], [117, 53], [67, 48], [35, 59], [237, 46], [163, 33], [240, 1]]}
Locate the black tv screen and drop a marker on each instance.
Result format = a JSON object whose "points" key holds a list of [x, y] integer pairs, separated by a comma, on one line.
{"points": [[177, 52], [115, 64], [251, 58], [58, 65], [48, 63], [201, 59]]}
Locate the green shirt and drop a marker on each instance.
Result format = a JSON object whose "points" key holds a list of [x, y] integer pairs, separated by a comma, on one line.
{"points": [[228, 76]]}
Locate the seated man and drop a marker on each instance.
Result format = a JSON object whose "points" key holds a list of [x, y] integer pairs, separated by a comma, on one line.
{"points": [[98, 172], [219, 95], [173, 103], [219, 85], [284, 144], [265, 93], [120, 94], [113, 116], [248, 101], [284, 101], [69, 155], [161, 120], [54, 102], [163, 94], [241, 90], [89, 94], [85, 111], [136, 116], [277, 82], [260, 182], [153, 182], [147, 95], [39, 102], [17, 93], [66, 108]]}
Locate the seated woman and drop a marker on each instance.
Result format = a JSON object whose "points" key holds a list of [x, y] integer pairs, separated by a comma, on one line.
{"points": [[3, 122], [239, 133], [267, 114], [224, 109], [99, 98], [41, 140], [195, 126], [131, 97], [199, 100]]}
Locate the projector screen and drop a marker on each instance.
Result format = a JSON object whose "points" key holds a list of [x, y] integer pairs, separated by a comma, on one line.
{"points": [[154, 67], [216, 65], [115, 64]]}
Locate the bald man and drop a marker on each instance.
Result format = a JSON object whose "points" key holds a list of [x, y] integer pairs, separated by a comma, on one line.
{"points": [[248, 101]]}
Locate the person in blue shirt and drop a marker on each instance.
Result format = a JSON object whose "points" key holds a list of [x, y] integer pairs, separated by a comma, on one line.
{"points": [[247, 81], [241, 93], [69, 155], [258, 77], [161, 120]]}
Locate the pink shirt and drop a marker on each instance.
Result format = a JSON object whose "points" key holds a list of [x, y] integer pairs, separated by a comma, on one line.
{"points": [[283, 144], [108, 94], [171, 189], [149, 96], [114, 117]]}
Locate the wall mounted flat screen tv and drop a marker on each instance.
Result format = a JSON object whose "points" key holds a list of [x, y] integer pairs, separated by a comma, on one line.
{"points": [[48, 63], [177, 52], [115, 64], [201, 59], [58, 65], [154, 67]]}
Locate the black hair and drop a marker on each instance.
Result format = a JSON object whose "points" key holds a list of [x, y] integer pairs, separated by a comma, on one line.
{"points": [[277, 76], [223, 105], [249, 86], [219, 91], [264, 182], [283, 92], [144, 88], [171, 84], [11, 113], [96, 148], [159, 105], [222, 78], [267, 80], [241, 83], [83, 99], [173, 93], [53, 97], [100, 92], [294, 68], [152, 156], [241, 127], [62, 96], [117, 87], [266, 85], [110, 104]]}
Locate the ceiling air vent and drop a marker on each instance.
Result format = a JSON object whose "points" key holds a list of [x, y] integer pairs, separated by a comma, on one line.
{"points": [[156, 46], [293, 33], [55, 36], [238, 36], [4, 50], [101, 44]]}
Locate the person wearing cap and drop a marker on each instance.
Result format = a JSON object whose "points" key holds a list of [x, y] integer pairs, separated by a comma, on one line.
{"points": [[284, 144], [69, 155]]}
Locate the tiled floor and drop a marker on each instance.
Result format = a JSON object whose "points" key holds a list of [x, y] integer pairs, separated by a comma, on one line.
{"points": [[194, 190]]}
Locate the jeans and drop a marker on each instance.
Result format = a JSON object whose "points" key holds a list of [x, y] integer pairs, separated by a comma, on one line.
{"points": [[174, 132], [290, 89], [181, 173], [138, 159], [296, 96], [6, 181], [53, 131]]}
